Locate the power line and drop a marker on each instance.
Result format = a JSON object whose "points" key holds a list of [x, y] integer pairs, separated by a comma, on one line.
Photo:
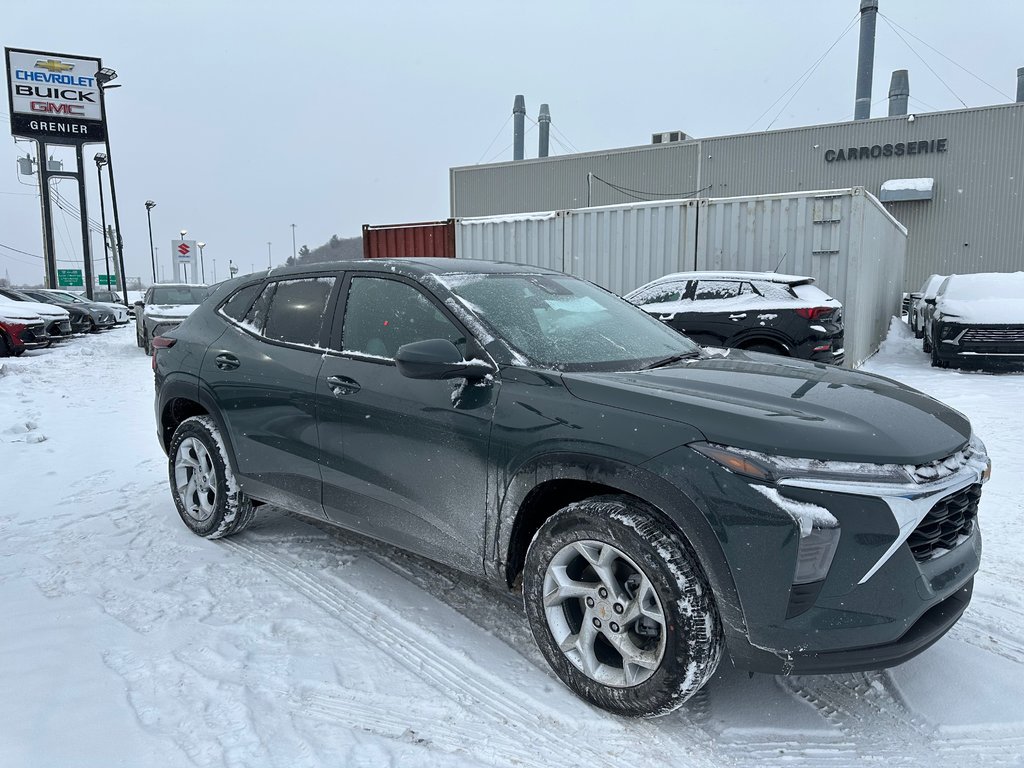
{"points": [[892, 23], [629, 192], [505, 149], [557, 130], [807, 72], [495, 137], [814, 68], [929, 66]]}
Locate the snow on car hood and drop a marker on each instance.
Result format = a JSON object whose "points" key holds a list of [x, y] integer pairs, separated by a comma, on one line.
{"points": [[11, 314], [982, 311], [47, 311], [789, 407], [170, 310]]}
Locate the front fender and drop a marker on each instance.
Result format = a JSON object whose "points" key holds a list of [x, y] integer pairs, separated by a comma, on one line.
{"points": [[636, 481]]}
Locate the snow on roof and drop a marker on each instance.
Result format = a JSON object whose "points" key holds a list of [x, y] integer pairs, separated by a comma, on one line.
{"points": [[917, 185]]}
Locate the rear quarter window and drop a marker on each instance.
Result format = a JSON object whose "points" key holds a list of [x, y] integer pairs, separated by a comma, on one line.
{"points": [[240, 301]]}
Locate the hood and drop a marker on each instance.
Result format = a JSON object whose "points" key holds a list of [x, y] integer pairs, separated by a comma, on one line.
{"points": [[48, 311], [170, 310], [787, 407], [14, 314], [982, 311]]}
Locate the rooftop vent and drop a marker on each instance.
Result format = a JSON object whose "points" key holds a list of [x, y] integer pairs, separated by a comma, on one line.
{"points": [[669, 136]]}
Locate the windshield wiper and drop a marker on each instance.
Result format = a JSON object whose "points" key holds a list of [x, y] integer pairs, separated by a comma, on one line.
{"points": [[671, 359]]}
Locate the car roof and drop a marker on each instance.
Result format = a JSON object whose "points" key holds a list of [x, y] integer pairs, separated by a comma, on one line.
{"points": [[765, 277], [413, 267], [179, 285]]}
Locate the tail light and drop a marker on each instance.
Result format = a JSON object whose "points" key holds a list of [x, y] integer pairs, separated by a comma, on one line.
{"points": [[813, 313], [160, 342]]}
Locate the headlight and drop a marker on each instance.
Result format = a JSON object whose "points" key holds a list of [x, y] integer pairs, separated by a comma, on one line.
{"points": [[771, 469]]}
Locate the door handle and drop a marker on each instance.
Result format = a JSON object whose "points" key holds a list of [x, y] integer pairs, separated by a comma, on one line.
{"points": [[738, 317], [343, 385], [667, 316], [227, 362]]}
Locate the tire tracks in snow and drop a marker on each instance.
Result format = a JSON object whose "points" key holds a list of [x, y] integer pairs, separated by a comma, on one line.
{"points": [[532, 724]]}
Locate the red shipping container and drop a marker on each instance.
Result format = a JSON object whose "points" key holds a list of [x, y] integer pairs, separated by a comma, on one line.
{"points": [[399, 241]]}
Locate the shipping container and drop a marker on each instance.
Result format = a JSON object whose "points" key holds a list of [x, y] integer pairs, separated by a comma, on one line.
{"points": [[419, 240], [844, 238]]}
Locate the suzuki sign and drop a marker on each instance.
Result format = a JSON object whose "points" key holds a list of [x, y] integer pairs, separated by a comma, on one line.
{"points": [[53, 96]]}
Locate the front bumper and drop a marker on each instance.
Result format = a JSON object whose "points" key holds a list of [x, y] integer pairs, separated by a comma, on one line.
{"points": [[59, 329], [982, 346], [879, 605]]}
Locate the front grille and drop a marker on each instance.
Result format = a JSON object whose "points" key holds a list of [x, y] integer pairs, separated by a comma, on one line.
{"points": [[65, 326], [1013, 335], [950, 519]]}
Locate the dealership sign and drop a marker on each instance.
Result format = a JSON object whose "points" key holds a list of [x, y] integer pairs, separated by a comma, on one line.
{"points": [[54, 97], [184, 250]]}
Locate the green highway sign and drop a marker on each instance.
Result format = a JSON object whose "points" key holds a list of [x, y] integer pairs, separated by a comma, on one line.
{"points": [[69, 278], [106, 279]]}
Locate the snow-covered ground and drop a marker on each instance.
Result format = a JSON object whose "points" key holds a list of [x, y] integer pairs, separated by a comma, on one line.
{"points": [[125, 640]]}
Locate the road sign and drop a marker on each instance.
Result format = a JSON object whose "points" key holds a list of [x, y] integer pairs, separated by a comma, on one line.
{"points": [[107, 280], [70, 278]]}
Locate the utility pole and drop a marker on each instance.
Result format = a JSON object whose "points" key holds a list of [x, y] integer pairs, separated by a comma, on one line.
{"points": [[269, 264], [101, 160], [293, 243], [103, 78]]}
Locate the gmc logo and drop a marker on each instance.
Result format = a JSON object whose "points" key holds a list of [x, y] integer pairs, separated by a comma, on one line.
{"points": [[76, 110]]}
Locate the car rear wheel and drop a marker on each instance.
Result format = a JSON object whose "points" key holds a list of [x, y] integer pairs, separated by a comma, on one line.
{"points": [[202, 483], [620, 608], [6, 350]]}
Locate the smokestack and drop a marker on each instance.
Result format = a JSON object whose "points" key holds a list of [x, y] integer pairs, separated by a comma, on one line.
{"points": [[865, 59], [1020, 85], [518, 113], [544, 123], [899, 92]]}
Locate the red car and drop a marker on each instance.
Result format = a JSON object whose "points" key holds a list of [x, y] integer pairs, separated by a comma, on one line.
{"points": [[20, 330]]}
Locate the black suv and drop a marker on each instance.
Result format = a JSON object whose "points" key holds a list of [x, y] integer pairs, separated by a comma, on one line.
{"points": [[759, 311], [658, 505]]}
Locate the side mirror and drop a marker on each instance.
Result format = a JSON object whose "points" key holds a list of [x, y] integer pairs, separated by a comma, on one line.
{"points": [[140, 303], [930, 300], [438, 359]]}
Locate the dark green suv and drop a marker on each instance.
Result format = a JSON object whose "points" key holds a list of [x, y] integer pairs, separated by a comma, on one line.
{"points": [[660, 506]]}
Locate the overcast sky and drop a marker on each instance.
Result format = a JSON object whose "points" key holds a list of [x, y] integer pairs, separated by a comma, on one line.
{"points": [[242, 118]]}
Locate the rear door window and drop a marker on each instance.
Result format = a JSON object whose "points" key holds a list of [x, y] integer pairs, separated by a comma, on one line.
{"points": [[715, 290], [296, 311], [257, 315]]}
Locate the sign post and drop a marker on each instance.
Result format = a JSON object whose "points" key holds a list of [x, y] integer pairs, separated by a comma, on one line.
{"points": [[57, 99], [183, 253]]}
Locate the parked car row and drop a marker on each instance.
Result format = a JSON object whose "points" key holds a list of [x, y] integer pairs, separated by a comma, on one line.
{"points": [[972, 321], [31, 318]]}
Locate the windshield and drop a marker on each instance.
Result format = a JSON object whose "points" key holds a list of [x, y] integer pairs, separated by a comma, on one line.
{"points": [[69, 297], [179, 294], [985, 286], [567, 324]]}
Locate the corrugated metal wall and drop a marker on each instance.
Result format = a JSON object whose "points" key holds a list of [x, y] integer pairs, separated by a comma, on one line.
{"points": [[533, 240], [622, 247], [975, 222], [845, 239]]}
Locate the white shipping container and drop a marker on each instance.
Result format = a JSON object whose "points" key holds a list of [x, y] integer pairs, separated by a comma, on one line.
{"points": [[844, 238]]}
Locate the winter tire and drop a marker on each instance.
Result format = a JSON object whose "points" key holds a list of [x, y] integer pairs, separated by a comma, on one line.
{"points": [[926, 344], [146, 346], [620, 607], [202, 483], [5, 347]]}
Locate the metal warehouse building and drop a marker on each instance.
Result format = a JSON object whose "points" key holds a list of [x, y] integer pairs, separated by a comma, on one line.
{"points": [[968, 218]]}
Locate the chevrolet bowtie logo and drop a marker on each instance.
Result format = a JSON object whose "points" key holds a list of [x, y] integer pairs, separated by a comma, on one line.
{"points": [[54, 66]]}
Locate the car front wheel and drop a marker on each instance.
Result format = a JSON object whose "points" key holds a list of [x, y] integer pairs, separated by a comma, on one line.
{"points": [[620, 608], [202, 483]]}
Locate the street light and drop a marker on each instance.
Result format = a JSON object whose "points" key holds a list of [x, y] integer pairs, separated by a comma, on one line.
{"points": [[184, 267], [202, 267], [103, 78], [269, 265], [293, 243], [101, 160], [150, 205]]}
